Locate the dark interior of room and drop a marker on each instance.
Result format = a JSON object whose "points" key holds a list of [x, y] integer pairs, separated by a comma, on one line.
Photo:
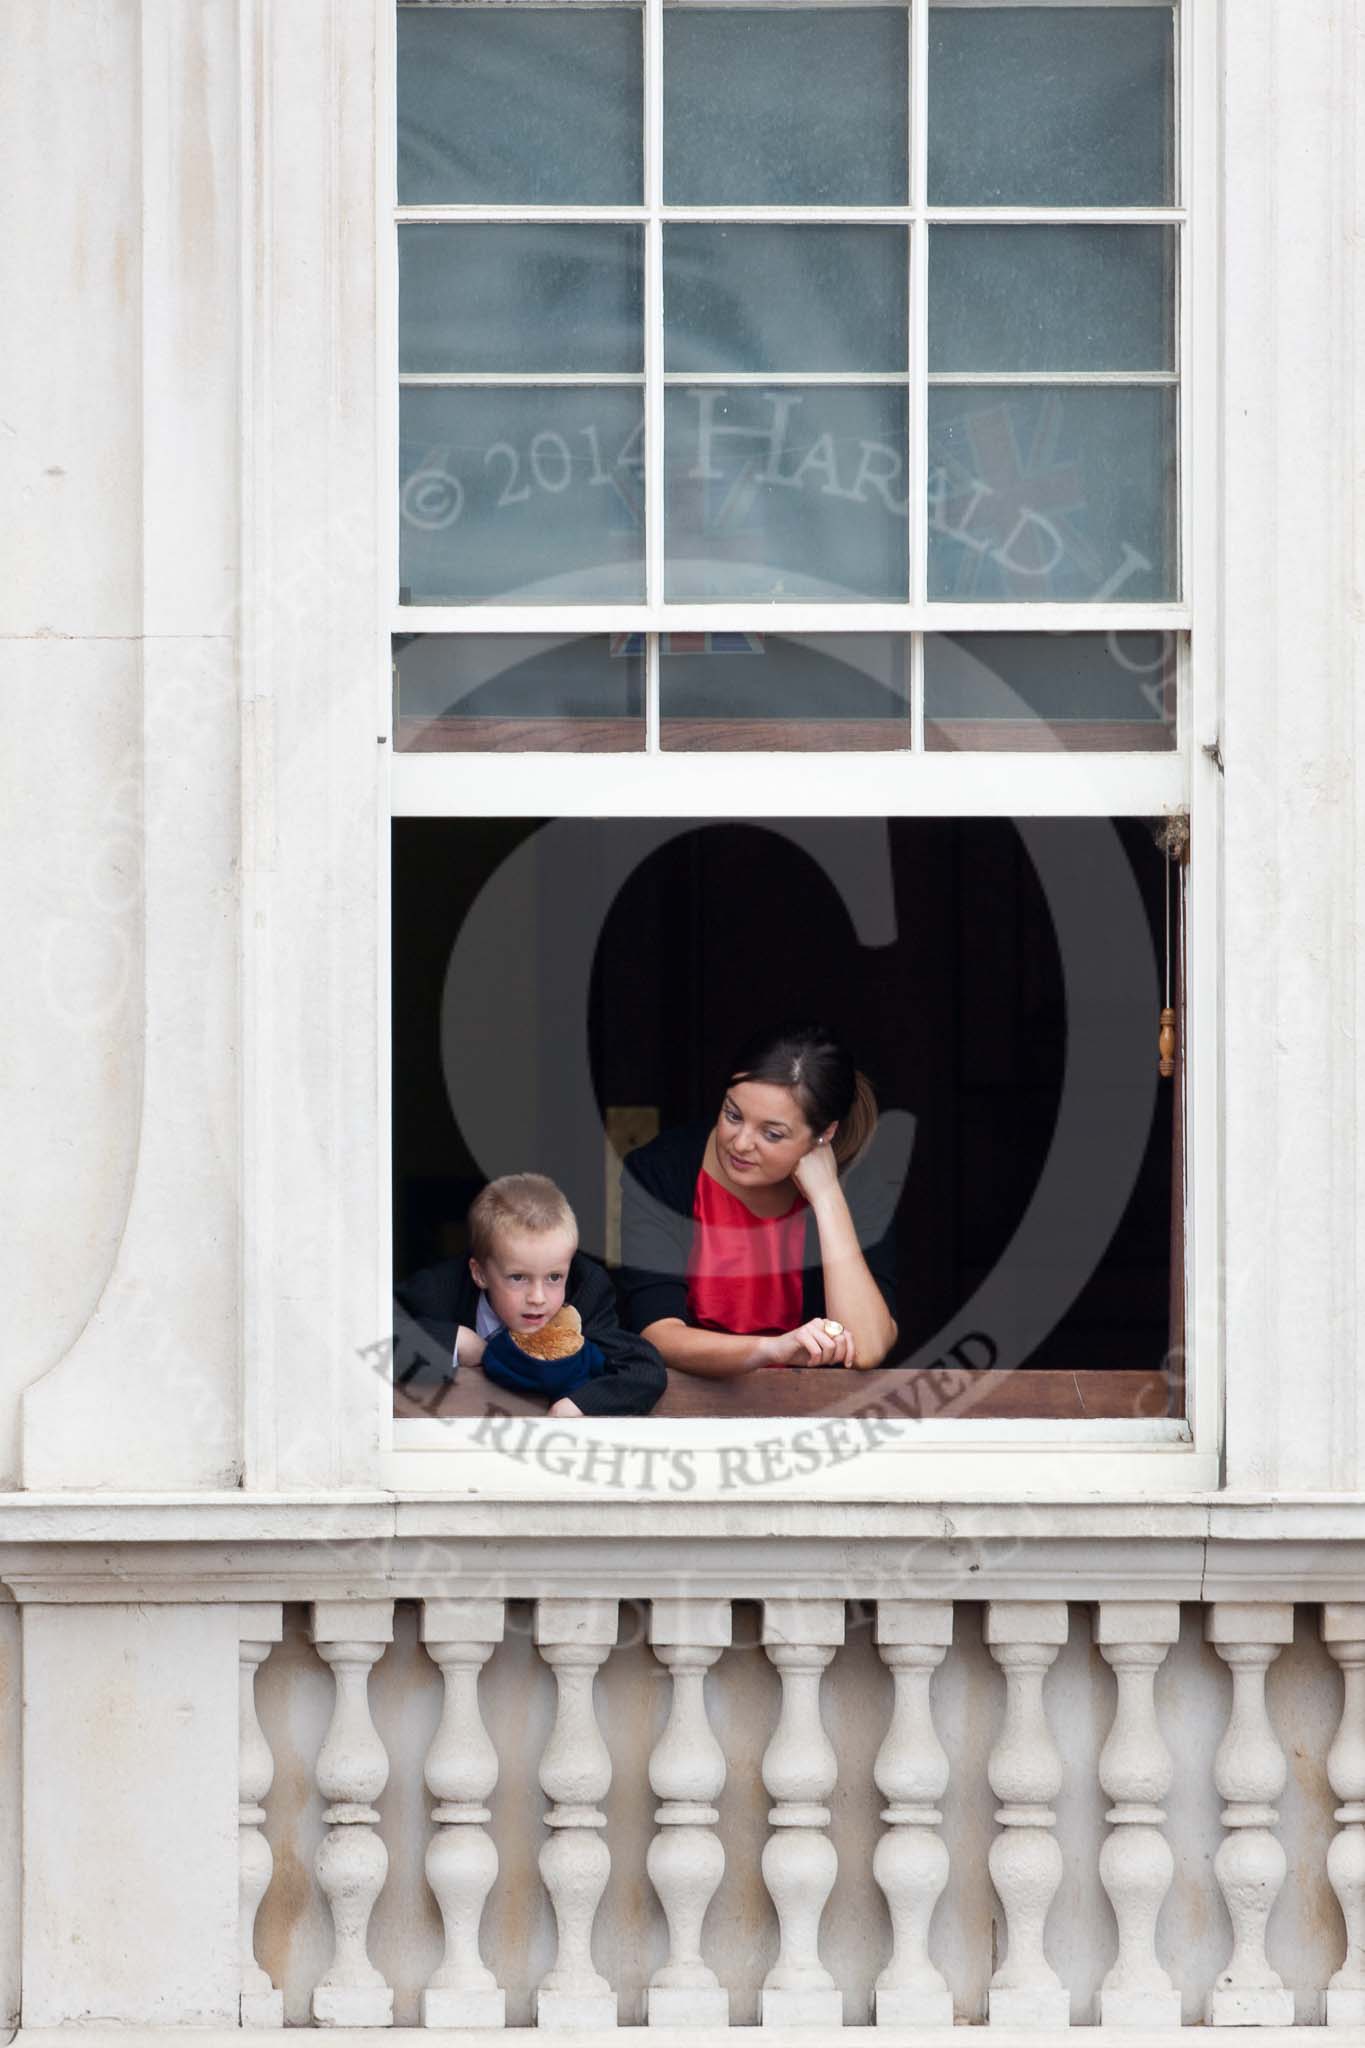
{"points": [[956, 1008]]}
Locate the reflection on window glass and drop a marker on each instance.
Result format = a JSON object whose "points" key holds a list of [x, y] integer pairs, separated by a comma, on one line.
{"points": [[837, 691], [784, 298], [533, 494], [1052, 494], [1051, 298], [506, 105], [510, 691], [468, 293], [785, 106], [1041, 690], [1051, 106], [785, 492]]}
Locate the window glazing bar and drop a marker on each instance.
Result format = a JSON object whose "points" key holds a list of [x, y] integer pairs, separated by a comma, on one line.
{"points": [[1046, 377], [497, 378], [1057, 216], [757, 617], [409, 216], [759, 784], [654, 324]]}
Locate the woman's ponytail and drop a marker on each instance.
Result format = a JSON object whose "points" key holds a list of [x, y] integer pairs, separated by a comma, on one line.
{"points": [[855, 1130]]}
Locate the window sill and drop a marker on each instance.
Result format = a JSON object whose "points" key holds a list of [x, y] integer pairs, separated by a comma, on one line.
{"points": [[829, 1459], [897, 1392]]}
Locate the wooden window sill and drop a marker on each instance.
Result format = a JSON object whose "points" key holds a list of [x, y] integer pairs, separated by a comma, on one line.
{"points": [[897, 1392]]}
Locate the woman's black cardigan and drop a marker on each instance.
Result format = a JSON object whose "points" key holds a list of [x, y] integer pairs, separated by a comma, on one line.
{"points": [[656, 1236]]}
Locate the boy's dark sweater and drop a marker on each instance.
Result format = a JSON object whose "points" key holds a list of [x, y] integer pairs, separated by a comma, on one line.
{"points": [[435, 1302]]}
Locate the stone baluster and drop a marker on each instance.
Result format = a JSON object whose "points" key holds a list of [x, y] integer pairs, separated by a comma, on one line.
{"points": [[1025, 1774], [799, 1771], [910, 1862], [1136, 1865], [687, 1772], [259, 1625], [1249, 1771], [1343, 1631], [461, 1771], [352, 1771], [575, 1637]]}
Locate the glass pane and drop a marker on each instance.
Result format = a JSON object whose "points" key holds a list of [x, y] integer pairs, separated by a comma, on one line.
{"points": [[1052, 494], [1051, 298], [1038, 690], [797, 492], [530, 297], [1051, 106], [501, 105], [457, 691], [785, 106], [535, 495], [783, 299], [840, 691]]}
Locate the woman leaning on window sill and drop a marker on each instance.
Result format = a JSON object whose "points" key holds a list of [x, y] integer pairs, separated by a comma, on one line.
{"points": [[738, 1246]]}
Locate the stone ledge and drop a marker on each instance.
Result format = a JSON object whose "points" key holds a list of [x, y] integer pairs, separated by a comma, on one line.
{"points": [[244, 1547], [95, 2036], [701, 1563], [196, 1517]]}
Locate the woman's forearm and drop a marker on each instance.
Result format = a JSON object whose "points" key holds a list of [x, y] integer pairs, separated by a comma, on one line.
{"points": [[852, 1296], [713, 1354]]}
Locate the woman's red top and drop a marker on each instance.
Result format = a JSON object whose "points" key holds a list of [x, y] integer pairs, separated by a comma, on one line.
{"points": [[744, 1271]]}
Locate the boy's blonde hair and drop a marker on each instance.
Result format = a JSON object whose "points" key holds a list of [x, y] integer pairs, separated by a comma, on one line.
{"points": [[518, 1201]]}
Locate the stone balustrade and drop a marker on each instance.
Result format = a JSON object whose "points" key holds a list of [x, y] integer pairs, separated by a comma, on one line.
{"points": [[489, 1768], [759, 1812]]}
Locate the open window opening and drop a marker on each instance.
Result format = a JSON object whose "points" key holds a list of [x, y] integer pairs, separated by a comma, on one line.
{"points": [[565, 988]]}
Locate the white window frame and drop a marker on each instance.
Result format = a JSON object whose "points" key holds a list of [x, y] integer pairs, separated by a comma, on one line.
{"points": [[927, 1458]]}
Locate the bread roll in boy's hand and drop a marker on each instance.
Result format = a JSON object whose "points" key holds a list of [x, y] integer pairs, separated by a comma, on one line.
{"points": [[561, 1337]]}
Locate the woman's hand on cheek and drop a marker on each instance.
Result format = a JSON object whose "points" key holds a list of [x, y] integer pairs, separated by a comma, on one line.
{"points": [[816, 1171]]}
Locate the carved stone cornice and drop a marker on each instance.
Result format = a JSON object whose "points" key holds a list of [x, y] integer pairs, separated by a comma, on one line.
{"points": [[235, 1547]]}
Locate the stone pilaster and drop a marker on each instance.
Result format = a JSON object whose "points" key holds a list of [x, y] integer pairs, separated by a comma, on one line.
{"points": [[1343, 1631], [262, 1626]]}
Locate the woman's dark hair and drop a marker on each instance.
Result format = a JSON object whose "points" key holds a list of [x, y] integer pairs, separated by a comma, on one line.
{"points": [[808, 1059]]}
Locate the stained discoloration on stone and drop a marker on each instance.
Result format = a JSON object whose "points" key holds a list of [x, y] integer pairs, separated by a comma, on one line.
{"points": [[406, 1939], [11, 1801], [293, 1704], [198, 200]]}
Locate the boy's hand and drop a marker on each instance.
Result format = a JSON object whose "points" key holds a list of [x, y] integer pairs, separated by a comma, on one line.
{"points": [[469, 1346], [564, 1407]]}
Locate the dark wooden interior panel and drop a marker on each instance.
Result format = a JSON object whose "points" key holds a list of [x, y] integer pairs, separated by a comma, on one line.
{"points": [[939, 964]]}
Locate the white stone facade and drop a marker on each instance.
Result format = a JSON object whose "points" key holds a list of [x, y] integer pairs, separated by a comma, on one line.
{"points": [[195, 1452]]}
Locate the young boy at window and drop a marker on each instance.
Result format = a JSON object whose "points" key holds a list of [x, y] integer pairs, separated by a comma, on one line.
{"points": [[524, 1267]]}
